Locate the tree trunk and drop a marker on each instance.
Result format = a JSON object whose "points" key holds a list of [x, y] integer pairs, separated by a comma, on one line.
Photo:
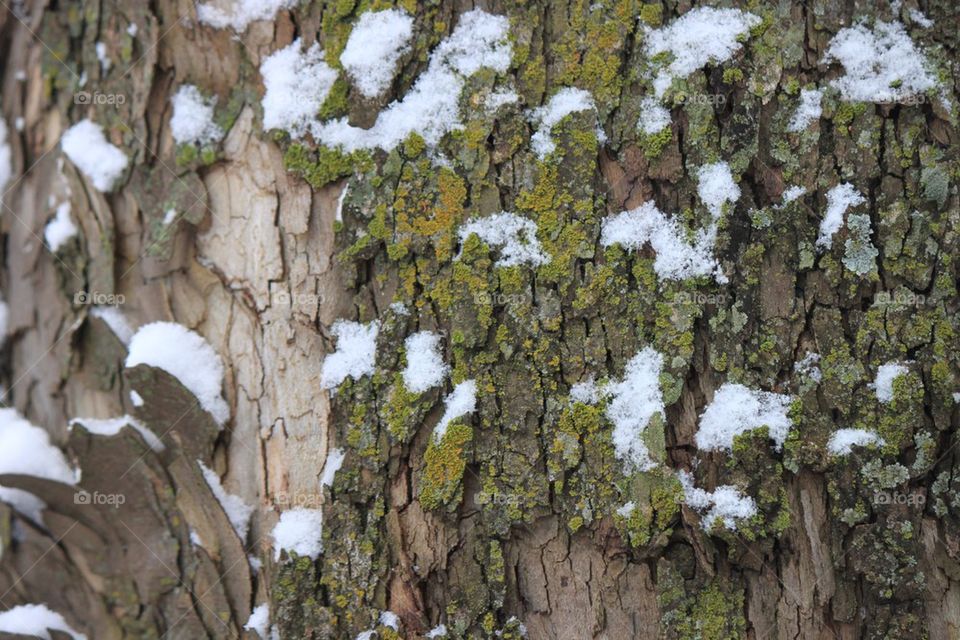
{"points": [[524, 518]]}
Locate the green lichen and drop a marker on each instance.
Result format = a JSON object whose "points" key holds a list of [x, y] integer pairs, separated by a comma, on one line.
{"points": [[444, 464], [322, 165]]}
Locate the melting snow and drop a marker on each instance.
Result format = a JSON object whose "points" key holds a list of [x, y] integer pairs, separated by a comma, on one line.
{"points": [[793, 193], [725, 503], [585, 392], [634, 400], [112, 426], [374, 47], [238, 511], [515, 237], [809, 366], [653, 117], [186, 356], [192, 120], [438, 631], [700, 36], [497, 99], [736, 409], [839, 199], [920, 18], [297, 83], [882, 65], [299, 531], [335, 458], [886, 374], [88, 149], [241, 12], [842, 441], [461, 401], [566, 101], [425, 366], [807, 111], [355, 356]]}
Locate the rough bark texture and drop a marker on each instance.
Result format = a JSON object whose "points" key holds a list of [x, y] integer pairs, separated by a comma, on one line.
{"points": [[511, 521]]}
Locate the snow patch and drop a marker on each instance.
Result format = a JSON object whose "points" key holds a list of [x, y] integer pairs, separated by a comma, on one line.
{"points": [[238, 511], [634, 400], [881, 65], [59, 230], [566, 101], [425, 366], [186, 356], [88, 149], [297, 83], [431, 107], [35, 620], [737, 409], [842, 441], [192, 120], [355, 356], [374, 47], [259, 620], [112, 426], [115, 320], [839, 199], [390, 619], [26, 449], [136, 399], [102, 56], [515, 237], [461, 401], [438, 631], [677, 258], [699, 37], [299, 531], [716, 187], [726, 503], [883, 383]]}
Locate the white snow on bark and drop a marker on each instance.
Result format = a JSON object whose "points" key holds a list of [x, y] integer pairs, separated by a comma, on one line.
{"points": [[374, 47], [186, 356], [736, 409], [88, 149]]}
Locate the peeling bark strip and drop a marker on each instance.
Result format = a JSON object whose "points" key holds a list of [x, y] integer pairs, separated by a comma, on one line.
{"points": [[558, 320]]}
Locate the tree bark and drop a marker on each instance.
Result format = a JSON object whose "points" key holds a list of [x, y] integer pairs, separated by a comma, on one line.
{"points": [[514, 523]]}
